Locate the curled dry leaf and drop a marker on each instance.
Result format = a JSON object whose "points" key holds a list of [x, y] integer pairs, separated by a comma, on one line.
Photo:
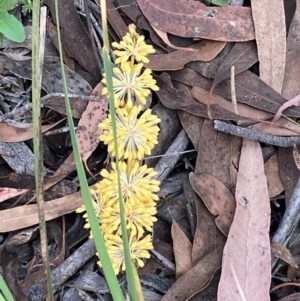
{"points": [[8, 193], [217, 198], [295, 101], [246, 269], [25, 216], [164, 36], [291, 83], [182, 250], [289, 173], [205, 51], [242, 56], [214, 154], [284, 254], [249, 88], [88, 136], [296, 156], [196, 278], [186, 18], [275, 186], [11, 133]]}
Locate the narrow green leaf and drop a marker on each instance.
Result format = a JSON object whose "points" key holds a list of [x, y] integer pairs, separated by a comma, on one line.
{"points": [[5, 292], [7, 5], [219, 2], [11, 27], [109, 274]]}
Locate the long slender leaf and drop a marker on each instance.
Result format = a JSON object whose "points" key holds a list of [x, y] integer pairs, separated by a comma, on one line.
{"points": [[133, 285], [96, 231], [5, 291], [37, 57]]}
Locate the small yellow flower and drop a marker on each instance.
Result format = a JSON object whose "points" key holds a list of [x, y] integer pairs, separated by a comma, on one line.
{"points": [[138, 183], [132, 46], [136, 136], [138, 219], [130, 81], [103, 207], [139, 250]]}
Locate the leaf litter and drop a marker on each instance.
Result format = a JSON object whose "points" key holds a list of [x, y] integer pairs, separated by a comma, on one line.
{"points": [[223, 202]]}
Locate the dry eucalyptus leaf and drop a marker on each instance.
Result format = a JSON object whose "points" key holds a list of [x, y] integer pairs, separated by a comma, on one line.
{"points": [[89, 132], [182, 250], [247, 253], [270, 33], [291, 83], [187, 18]]}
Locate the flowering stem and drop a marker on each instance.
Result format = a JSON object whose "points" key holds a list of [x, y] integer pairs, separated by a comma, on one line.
{"points": [[130, 275], [96, 231]]}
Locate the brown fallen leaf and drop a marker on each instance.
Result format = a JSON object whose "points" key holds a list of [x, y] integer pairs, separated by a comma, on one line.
{"points": [[284, 254], [291, 82], [244, 110], [25, 216], [52, 31], [270, 33], [193, 19], [196, 278], [88, 136], [192, 125], [296, 156], [282, 127], [57, 104], [204, 51], [289, 173], [207, 235], [133, 12], [214, 154], [75, 38], [164, 36], [182, 250], [9, 263], [236, 146], [209, 69], [8, 193], [217, 198], [11, 133], [242, 56], [295, 101], [250, 90], [115, 20], [246, 267], [210, 291], [275, 186], [178, 99]]}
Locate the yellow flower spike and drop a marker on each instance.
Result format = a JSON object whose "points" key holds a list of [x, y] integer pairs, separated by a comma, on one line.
{"points": [[102, 206], [136, 135], [139, 249], [129, 80], [136, 184], [132, 46]]}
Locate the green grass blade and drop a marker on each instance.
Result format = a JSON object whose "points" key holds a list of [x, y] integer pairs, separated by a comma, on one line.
{"points": [[5, 291], [37, 57], [96, 231]]}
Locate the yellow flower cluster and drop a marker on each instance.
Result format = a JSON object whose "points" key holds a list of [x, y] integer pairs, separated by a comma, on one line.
{"points": [[137, 134]]}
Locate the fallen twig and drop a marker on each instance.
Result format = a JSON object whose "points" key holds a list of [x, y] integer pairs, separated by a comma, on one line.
{"points": [[167, 163], [254, 135], [289, 219], [28, 106]]}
